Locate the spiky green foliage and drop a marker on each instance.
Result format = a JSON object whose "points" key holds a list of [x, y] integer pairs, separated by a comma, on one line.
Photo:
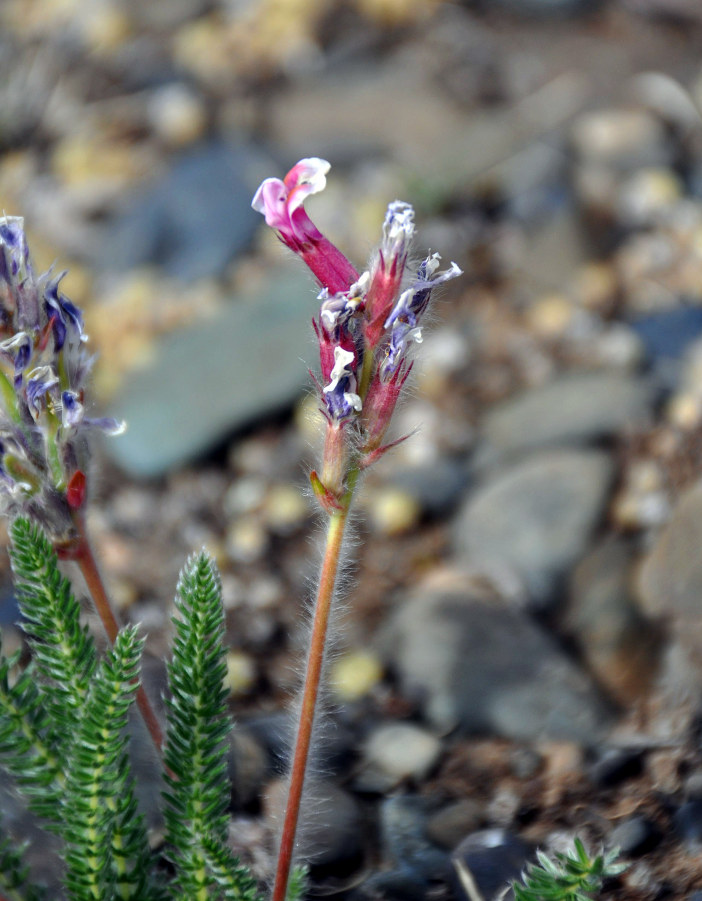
{"points": [[63, 737], [25, 751], [63, 651], [574, 876], [198, 786], [62, 724], [98, 760], [14, 875], [297, 884]]}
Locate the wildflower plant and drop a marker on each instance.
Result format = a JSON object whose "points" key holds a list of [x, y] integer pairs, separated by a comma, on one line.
{"points": [[571, 876], [367, 326], [64, 714]]}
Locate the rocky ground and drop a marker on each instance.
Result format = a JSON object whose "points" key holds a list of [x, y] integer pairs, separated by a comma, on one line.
{"points": [[519, 659]]}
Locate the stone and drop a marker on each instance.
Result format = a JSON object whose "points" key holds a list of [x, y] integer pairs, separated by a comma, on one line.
{"points": [[487, 861], [612, 766], [483, 666], [622, 139], [619, 645], [193, 220], [354, 675], [392, 512], [635, 836], [577, 408], [666, 336], [214, 378], [331, 837], [646, 195], [687, 822], [670, 580], [403, 821], [533, 521], [248, 766], [394, 753], [436, 486], [452, 823]]}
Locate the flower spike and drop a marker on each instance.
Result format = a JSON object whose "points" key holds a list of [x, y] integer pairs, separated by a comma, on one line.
{"points": [[43, 366]]}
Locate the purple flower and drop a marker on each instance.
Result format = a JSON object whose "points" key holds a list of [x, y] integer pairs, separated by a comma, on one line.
{"points": [[43, 366], [403, 321]]}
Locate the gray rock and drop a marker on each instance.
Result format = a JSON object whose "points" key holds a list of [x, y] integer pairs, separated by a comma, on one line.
{"points": [[248, 765], [619, 645], [486, 667], [403, 821], [573, 409], [332, 833], [486, 862], [452, 823], [534, 520], [670, 580], [217, 376], [437, 486], [193, 220], [394, 752]]}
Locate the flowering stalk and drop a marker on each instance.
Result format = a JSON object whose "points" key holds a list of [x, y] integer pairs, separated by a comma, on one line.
{"points": [[366, 327], [44, 428]]}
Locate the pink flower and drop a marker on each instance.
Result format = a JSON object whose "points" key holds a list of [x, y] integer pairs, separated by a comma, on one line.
{"points": [[281, 202]]}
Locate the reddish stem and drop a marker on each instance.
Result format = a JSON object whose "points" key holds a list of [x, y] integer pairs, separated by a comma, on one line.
{"points": [[83, 555], [310, 692]]}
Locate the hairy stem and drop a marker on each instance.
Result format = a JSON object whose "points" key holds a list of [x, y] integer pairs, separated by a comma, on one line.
{"points": [[310, 691], [84, 557]]}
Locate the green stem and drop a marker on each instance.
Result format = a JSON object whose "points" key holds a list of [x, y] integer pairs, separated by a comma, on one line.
{"points": [[310, 692]]}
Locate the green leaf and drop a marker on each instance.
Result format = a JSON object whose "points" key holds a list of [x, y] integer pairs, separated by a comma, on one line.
{"points": [[97, 775], [198, 793], [574, 876], [14, 875], [63, 651]]}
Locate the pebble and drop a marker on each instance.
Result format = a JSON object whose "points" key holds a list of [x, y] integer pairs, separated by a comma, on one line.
{"points": [[666, 336], [635, 836], [670, 579], [177, 114], [534, 519], [436, 486], [354, 675], [643, 500], [486, 667], [331, 837], [395, 752], [619, 347], [621, 139], [486, 862], [213, 184], [285, 509], [403, 820], [248, 767], [550, 317], [453, 822], [205, 382], [246, 540], [687, 822], [646, 195], [241, 672], [612, 766], [575, 408], [619, 645], [393, 512]]}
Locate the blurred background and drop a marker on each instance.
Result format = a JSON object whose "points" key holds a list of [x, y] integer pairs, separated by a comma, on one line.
{"points": [[522, 640]]}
